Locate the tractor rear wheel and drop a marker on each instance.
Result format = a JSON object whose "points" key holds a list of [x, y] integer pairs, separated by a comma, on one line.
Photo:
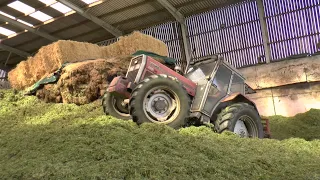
{"points": [[160, 99], [115, 106], [241, 119]]}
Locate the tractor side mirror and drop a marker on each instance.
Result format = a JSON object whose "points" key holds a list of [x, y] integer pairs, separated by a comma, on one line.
{"points": [[178, 69]]}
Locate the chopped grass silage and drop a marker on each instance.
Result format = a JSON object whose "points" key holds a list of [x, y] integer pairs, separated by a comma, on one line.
{"points": [[63, 141], [306, 126]]}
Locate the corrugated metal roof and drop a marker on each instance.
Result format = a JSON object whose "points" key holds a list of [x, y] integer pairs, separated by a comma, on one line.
{"points": [[178, 2], [35, 43], [201, 6], [94, 36], [63, 23], [21, 39], [130, 13], [112, 6], [126, 15], [79, 3], [141, 23], [78, 30]]}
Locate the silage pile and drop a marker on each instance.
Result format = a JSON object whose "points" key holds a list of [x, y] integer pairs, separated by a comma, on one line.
{"points": [[84, 81], [49, 58], [64, 141]]}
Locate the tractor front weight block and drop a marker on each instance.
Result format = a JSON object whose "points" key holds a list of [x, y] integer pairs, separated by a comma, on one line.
{"points": [[119, 87]]}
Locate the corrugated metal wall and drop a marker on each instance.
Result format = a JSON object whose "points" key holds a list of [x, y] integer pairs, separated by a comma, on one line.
{"points": [[169, 34], [4, 84], [294, 27], [3, 75], [107, 42], [235, 32]]}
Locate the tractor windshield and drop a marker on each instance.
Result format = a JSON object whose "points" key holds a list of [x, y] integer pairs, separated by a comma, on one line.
{"points": [[201, 71]]}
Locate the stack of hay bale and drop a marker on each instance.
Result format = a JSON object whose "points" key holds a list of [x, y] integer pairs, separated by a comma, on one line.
{"points": [[85, 81]]}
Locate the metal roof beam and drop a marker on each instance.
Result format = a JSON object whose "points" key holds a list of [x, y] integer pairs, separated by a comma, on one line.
{"points": [[30, 29], [14, 50], [264, 30], [183, 27], [113, 30], [173, 11]]}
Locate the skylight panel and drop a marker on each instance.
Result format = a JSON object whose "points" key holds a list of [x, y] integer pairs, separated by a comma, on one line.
{"points": [[5, 14], [28, 24], [19, 6], [48, 2], [6, 32], [40, 16], [61, 7], [89, 1]]}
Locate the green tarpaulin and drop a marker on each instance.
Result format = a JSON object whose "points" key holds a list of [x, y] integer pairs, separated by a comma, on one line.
{"points": [[169, 61], [48, 80]]}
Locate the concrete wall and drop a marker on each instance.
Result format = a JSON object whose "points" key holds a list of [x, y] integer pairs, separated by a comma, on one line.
{"points": [[287, 87], [283, 73], [287, 100]]}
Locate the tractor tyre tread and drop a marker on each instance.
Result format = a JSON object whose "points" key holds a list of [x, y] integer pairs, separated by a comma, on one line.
{"points": [[109, 109], [137, 113], [228, 116]]}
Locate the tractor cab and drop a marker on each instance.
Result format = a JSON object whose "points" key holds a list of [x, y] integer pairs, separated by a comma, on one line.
{"points": [[216, 79]]}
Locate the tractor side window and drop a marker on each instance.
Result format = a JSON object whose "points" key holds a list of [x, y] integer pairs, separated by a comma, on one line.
{"points": [[218, 89], [222, 79], [237, 85]]}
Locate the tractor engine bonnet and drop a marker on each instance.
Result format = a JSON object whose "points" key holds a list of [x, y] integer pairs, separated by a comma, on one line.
{"points": [[144, 66]]}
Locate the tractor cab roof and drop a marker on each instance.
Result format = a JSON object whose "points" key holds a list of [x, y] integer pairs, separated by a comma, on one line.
{"points": [[220, 60]]}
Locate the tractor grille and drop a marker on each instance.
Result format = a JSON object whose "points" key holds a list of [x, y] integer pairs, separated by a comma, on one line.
{"points": [[132, 74]]}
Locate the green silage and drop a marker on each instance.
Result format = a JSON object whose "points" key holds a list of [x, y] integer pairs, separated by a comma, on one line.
{"points": [[60, 141], [306, 126]]}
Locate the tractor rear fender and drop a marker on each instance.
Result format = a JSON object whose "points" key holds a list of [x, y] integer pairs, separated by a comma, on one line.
{"points": [[231, 99], [237, 98]]}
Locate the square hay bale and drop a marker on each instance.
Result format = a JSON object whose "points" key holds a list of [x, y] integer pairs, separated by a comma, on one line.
{"points": [[130, 44], [51, 57], [20, 76], [48, 59]]}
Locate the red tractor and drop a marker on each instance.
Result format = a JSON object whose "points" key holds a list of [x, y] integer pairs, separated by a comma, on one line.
{"points": [[210, 92]]}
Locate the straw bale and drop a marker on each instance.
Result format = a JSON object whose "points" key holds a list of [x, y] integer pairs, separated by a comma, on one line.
{"points": [[84, 82], [132, 43], [19, 77], [48, 59]]}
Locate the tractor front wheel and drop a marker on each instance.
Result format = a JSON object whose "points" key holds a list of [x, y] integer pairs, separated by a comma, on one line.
{"points": [[115, 106], [241, 119], [160, 99]]}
